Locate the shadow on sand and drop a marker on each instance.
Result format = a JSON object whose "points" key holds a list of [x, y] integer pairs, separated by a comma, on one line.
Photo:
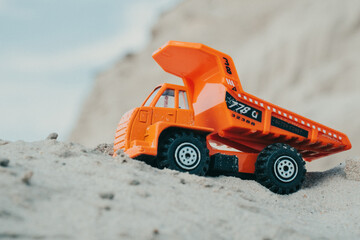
{"points": [[315, 178]]}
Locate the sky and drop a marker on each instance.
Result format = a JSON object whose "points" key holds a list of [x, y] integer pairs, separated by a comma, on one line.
{"points": [[51, 51]]}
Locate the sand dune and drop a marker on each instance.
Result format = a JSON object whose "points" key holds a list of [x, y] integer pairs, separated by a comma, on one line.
{"points": [[56, 190]]}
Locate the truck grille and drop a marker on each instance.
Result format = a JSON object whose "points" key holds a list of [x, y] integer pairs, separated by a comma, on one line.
{"points": [[122, 131]]}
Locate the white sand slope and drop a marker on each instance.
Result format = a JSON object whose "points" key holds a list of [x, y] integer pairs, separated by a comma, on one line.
{"points": [[302, 55], [56, 190]]}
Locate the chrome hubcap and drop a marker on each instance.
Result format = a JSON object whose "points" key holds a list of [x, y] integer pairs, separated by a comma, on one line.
{"points": [[187, 156], [285, 169]]}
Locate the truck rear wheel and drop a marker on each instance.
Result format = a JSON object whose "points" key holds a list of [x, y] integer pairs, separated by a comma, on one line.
{"points": [[280, 168], [184, 151]]}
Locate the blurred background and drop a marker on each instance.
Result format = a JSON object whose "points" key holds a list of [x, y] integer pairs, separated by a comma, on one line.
{"points": [[51, 52], [76, 67]]}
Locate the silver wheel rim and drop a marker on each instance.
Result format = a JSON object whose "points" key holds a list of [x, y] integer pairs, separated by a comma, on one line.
{"points": [[187, 156], [285, 168]]}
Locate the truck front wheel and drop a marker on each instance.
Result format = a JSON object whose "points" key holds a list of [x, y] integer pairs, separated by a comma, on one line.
{"points": [[184, 151], [280, 168]]}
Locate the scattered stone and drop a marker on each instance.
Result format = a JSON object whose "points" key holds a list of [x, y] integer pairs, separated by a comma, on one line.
{"points": [[5, 214], [182, 181], [352, 169], [4, 162], [156, 231], [105, 148], [120, 153], [107, 195], [107, 208], [52, 136], [27, 177], [66, 154], [29, 157], [134, 182], [208, 185], [3, 142]]}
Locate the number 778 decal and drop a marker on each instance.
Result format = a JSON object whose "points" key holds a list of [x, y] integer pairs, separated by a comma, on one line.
{"points": [[242, 108]]}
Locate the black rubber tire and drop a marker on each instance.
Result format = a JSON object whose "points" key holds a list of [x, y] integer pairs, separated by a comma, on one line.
{"points": [[179, 142], [280, 168]]}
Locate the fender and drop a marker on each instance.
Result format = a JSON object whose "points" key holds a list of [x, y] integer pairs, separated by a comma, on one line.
{"points": [[153, 133]]}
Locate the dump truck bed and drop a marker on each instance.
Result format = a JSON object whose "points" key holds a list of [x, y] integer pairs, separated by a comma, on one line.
{"points": [[239, 119], [273, 124]]}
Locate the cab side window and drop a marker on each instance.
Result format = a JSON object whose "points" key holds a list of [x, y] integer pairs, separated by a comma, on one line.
{"points": [[183, 103], [167, 99]]}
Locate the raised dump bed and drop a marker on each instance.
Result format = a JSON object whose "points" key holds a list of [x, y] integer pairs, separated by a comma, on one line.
{"points": [[239, 119]]}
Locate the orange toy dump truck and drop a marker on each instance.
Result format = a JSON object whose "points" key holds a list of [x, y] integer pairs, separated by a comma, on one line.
{"points": [[182, 127]]}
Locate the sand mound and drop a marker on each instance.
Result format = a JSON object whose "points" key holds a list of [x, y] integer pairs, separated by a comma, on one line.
{"points": [[301, 55], [56, 190]]}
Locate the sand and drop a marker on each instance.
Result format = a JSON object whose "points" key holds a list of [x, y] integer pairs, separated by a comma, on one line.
{"points": [[57, 190]]}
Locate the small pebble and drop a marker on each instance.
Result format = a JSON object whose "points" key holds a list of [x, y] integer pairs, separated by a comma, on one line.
{"points": [[120, 153], [52, 136], [2, 142], [66, 154], [108, 195], [134, 182], [4, 162], [105, 148], [27, 177], [156, 231], [182, 181]]}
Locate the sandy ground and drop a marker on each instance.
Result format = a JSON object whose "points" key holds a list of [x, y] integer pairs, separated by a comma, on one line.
{"points": [[57, 190]]}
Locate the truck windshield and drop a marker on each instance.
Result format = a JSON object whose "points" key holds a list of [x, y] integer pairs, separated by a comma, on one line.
{"points": [[148, 102], [167, 99]]}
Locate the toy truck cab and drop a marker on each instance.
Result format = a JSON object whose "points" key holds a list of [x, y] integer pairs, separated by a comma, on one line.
{"points": [[169, 103], [166, 108]]}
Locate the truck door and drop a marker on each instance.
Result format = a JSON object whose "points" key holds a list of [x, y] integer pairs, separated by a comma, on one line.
{"points": [[164, 109], [144, 117], [184, 114]]}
